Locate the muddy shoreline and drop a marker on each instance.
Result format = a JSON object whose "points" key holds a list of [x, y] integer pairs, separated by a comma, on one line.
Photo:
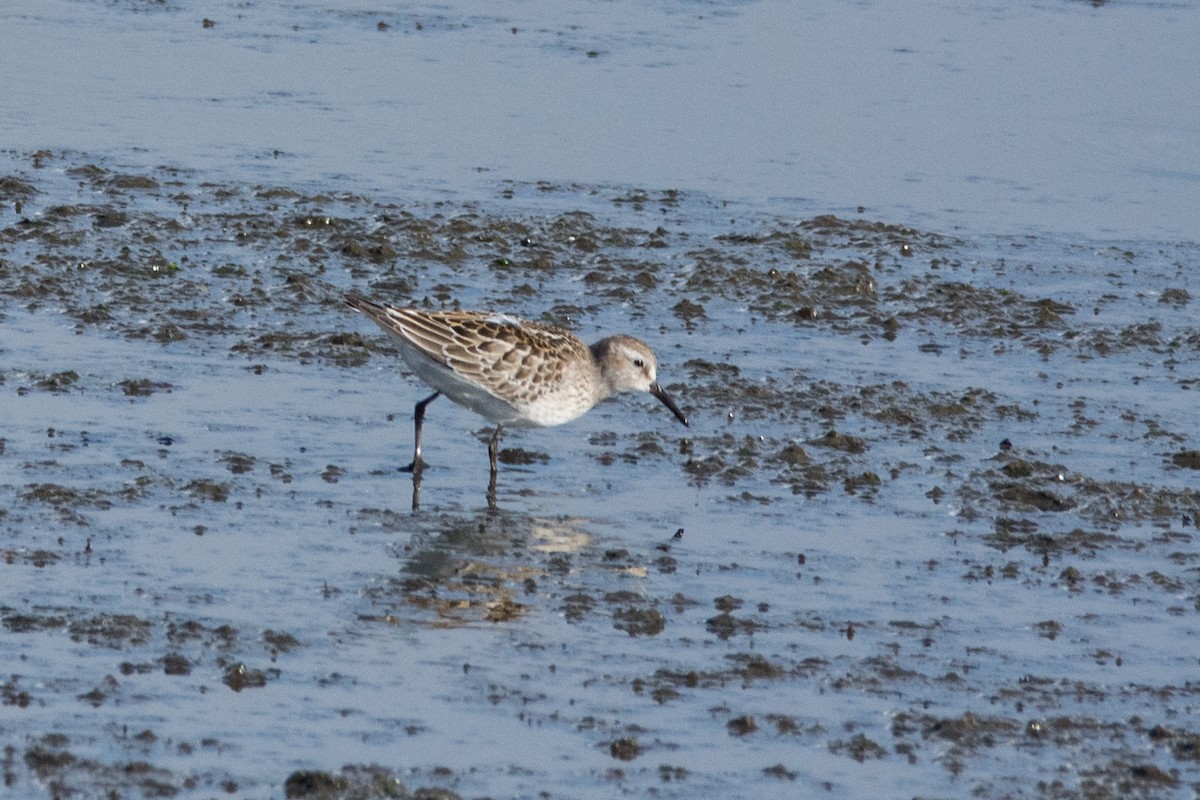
{"points": [[935, 528]]}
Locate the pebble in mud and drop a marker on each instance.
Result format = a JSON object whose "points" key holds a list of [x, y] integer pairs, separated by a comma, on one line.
{"points": [[638, 621], [357, 782], [239, 676], [625, 749], [742, 726], [1188, 459]]}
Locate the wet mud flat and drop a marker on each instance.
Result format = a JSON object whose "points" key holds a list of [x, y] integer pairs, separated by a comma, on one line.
{"points": [[933, 528]]}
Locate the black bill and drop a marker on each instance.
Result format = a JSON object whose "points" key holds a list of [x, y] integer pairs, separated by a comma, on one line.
{"points": [[661, 394]]}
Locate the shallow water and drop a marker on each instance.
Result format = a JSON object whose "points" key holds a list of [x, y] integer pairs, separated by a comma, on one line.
{"points": [[936, 509], [1066, 117]]}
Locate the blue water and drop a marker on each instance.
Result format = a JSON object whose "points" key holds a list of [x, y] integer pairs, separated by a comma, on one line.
{"points": [[1005, 117]]}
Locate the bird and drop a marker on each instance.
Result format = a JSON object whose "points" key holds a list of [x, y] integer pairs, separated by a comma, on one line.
{"points": [[513, 372]]}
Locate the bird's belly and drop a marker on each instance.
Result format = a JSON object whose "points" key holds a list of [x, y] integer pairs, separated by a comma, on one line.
{"points": [[547, 410], [555, 409]]}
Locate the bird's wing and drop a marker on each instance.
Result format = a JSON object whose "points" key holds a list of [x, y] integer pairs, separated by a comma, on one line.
{"points": [[498, 353]]}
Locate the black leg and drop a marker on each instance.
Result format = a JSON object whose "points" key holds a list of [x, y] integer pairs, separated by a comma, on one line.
{"points": [[418, 420], [493, 449]]}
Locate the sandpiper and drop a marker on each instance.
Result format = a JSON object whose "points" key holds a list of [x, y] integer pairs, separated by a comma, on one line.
{"points": [[513, 372]]}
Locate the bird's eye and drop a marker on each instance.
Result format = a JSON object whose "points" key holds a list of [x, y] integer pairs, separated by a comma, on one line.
{"points": [[637, 362]]}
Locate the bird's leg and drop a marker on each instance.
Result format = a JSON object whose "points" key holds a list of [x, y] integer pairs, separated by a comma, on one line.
{"points": [[418, 420], [416, 495], [493, 449]]}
